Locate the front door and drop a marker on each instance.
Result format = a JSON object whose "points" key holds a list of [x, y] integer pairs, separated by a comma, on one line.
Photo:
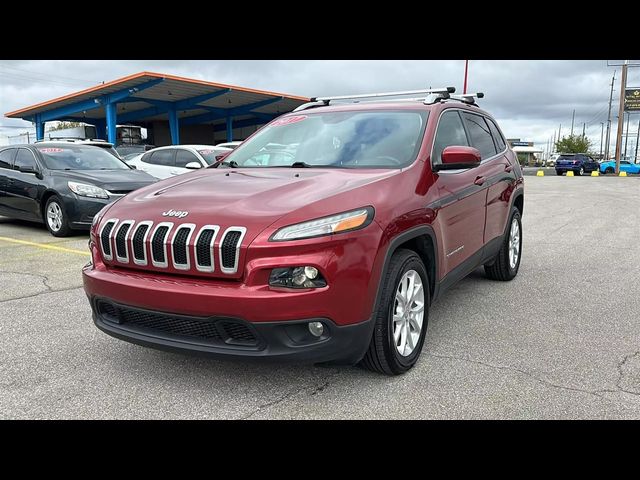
{"points": [[22, 188]]}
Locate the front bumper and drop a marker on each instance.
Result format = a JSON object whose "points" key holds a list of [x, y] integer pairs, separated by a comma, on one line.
{"points": [[233, 337], [81, 210]]}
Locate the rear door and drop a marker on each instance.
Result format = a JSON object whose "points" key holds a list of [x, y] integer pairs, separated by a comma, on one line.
{"points": [[497, 170], [159, 163], [6, 165], [23, 189], [460, 209]]}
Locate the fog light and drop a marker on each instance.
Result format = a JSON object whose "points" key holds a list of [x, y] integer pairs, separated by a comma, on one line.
{"points": [[297, 277], [316, 328]]}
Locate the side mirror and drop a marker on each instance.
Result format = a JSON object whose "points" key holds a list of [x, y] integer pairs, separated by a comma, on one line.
{"points": [[457, 157], [28, 169], [133, 167], [193, 166]]}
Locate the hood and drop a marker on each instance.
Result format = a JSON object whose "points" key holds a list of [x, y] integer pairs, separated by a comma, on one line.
{"points": [[112, 180], [252, 199]]}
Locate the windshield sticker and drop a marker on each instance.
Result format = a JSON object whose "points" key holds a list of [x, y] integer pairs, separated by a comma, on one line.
{"points": [[288, 120], [206, 152], [51, 150]]}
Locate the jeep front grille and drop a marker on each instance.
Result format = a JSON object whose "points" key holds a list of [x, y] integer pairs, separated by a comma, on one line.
{"points": [[189, 247]]}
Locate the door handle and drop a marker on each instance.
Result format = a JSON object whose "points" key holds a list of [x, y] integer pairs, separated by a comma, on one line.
{"points": [[479, 180], [508, 168]]}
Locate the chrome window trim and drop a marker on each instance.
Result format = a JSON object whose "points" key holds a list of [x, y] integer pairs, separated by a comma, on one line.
{"points": [[243, 232], [182, 266], [212, 268], [124, 259], [144, 243], [164, 264], [107, 222]]}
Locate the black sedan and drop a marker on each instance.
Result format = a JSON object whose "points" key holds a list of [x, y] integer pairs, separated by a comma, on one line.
{"points": [[63, 185]]}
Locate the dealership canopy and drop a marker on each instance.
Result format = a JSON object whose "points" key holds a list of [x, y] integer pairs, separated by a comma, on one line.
{"points": [[147, 97]]}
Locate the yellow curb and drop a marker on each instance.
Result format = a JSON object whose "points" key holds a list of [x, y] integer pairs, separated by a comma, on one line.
{"points": [[45, 246], [570, 173], [622, 174], [595, 173], [540, 173]]}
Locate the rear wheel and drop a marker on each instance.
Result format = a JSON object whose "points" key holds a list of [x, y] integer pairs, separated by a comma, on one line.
{"points": [[401, 317], [609, 170], [507, 262], [580, 172], [56, 218]]}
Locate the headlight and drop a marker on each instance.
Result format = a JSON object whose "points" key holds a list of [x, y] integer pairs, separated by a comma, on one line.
{"points": [[85, 190], [342, 222]]}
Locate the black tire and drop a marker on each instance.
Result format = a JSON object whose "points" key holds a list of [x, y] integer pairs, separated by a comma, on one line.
{"points": [[65, 229], [382, 355], [609, 170], [580, 172], [559, 173], [500, 268]]}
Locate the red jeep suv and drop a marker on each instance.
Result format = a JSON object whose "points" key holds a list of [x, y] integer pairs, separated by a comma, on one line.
{"points": [[324, 237]]}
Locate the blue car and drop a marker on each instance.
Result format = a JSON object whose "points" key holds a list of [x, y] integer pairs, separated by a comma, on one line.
{"points": [[610, 167], [578, 163]]}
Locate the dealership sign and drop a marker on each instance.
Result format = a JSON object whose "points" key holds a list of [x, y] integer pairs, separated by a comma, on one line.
{"points": [[632, 100]]}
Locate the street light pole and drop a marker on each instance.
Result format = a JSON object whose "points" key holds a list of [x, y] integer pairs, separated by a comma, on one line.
{"points": [[623, 86], [606, 146], [601, 137], [573, 116], [626, 137]]}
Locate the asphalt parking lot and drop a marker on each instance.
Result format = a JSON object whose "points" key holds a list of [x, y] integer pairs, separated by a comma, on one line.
{"points": [[560, 341]]}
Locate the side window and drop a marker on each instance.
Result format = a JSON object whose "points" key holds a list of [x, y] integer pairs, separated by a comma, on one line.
{"points": [[497, 136], [161, 157], [24, 158], [183, 157], [6, 157], [480, 134], [450, 132]]}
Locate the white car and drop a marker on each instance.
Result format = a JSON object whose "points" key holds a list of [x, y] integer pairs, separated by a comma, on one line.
{"points": [[230, 145], [165, 162]]}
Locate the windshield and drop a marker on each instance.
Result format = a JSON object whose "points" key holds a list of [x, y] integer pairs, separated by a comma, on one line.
{"points": [[210, 154], [371, 139], [80, 157]]}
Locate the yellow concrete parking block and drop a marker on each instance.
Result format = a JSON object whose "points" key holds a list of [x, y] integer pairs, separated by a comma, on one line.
{"points": [[570, 173], [595, 173], [622, 174], [540, 173]]}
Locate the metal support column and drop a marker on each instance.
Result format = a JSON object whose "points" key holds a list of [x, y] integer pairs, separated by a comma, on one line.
{"points": [[229, 129], [174, 126], [110, 110], [39, 128]]}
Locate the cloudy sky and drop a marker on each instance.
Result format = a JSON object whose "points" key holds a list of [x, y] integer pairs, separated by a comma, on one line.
{"points": [[530, 99]]}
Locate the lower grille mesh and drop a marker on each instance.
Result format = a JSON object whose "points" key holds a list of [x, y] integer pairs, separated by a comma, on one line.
{"points": [[207, 330]]}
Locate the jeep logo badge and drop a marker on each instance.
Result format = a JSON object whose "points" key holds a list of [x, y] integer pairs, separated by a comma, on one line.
{"points": [[175, 213]]}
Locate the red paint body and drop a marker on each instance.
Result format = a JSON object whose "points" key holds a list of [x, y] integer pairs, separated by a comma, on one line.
{"points": [[266, 199]]}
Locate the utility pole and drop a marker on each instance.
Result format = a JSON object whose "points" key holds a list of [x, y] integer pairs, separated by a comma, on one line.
{"points": [[626, 136], [623, 86], [601, 137], [606, 146], [559, 132], [466, 71], [573, 117], [583, 126]]}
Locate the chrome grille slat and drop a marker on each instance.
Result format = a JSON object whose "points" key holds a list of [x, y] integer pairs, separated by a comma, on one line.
{"points": [[180, 246], [139, 242], [122, 249], [159, 244], [203, 247], [105, 237], [230, 249]]}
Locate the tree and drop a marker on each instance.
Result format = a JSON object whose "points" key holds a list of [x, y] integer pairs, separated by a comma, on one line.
{"points": [[573, 144], [63, 125]]}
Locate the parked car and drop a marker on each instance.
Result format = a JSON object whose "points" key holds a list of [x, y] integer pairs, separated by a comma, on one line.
{"points": [[78, 141], [165, 162], [625, 166], [62, 184], [578, 163], [334, 256], [126, 149], [132, 156], [231, 145]]}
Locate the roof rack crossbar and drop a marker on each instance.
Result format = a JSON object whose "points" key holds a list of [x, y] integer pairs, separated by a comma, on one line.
{"points": [[385, 94], [469, 98]]}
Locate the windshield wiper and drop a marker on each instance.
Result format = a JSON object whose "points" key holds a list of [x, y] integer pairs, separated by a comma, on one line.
{"points": [[301, 165], [231, 164]]}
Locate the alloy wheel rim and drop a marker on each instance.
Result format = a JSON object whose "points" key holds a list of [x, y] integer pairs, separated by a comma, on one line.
{"points": [[514, 243], [54, 216], [408, 313]]}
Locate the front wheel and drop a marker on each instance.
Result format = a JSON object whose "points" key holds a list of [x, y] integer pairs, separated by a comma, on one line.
{"points": [[580, 172], [56, 218], [507, 262], [609, 170], [401, 316]]}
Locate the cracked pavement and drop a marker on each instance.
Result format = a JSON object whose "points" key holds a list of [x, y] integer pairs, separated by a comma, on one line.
{"points": [[560, 341]]}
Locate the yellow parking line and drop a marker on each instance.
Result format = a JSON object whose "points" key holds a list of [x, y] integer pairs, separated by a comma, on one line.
{"points": [[44, 245]]}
